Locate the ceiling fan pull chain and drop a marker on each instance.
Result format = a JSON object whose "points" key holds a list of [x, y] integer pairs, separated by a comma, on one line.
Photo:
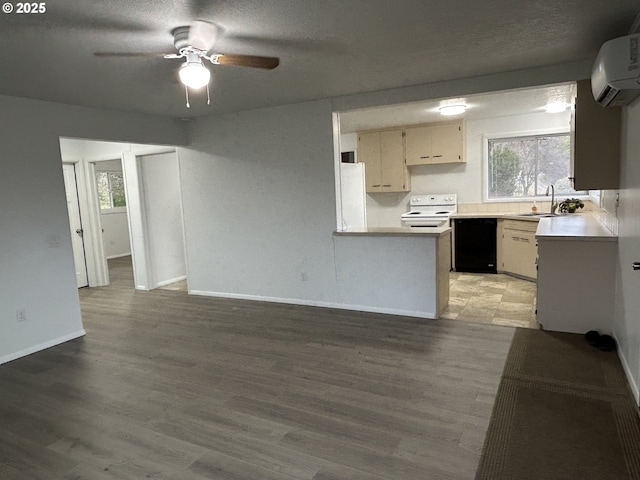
{"points": [[208, 95], [186, 92]]}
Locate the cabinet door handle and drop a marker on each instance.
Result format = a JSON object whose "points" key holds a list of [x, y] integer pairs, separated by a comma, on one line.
{"points": [[636, 265], [425, 157], [376, 185], [437, 156], [386, 185]]}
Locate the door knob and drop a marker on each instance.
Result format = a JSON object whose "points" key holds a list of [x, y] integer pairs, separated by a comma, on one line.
{"points": [[79, 232]]}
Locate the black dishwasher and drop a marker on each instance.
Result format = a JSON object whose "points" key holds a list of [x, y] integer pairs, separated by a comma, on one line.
{"points": [[475, 245]]}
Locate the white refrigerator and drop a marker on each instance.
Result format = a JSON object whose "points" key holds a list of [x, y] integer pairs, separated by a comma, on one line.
{"points": [[353, 196]]}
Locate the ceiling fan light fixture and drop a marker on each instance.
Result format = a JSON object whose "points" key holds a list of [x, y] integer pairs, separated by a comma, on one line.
{"points": [[194, 74], [452, 109]]}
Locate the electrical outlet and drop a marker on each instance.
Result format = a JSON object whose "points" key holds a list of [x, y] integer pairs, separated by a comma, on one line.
{"points": [[21, 315]]}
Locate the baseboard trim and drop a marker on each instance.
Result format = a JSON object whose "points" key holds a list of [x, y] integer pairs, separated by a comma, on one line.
{"points": [[172, 280], [314, 303], [627, 371], [41, 346]]}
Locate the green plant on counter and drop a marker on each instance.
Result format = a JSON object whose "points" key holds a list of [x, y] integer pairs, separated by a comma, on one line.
{"points": [[570, 205]]}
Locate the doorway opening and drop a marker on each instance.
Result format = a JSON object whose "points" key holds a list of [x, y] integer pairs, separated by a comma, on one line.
{"points": [[130, 213]]}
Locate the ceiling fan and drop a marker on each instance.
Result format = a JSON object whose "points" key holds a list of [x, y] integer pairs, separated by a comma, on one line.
{"points": [[193, 43]]}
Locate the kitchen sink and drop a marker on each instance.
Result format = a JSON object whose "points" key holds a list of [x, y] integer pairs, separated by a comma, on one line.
{"points": [[536, 214]]}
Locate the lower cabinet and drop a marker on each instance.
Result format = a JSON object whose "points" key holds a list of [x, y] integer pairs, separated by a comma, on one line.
{"points": [[576, 285], [519, 250]]}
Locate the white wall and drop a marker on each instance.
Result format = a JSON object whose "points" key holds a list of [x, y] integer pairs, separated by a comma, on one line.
{"points": [[465, 179], [627, 316], [163, 212], [36, 261], [259, 206], [115, 224], [259, 202], [116, 234]]}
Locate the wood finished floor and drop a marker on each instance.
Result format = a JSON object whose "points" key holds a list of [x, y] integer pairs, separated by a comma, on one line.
{"points": [[171, 386]]}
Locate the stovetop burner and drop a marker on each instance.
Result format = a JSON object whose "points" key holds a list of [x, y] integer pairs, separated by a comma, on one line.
{"points": [[430, 210]]}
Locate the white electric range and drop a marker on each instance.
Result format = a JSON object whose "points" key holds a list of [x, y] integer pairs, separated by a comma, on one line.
{"points": [[429, 210]]}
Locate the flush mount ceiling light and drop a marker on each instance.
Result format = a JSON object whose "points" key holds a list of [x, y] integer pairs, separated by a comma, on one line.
{"points": [[555, 107], [456, 109]]}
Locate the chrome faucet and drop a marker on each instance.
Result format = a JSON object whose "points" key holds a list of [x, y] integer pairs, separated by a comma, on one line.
{"points": [[554, 205]]}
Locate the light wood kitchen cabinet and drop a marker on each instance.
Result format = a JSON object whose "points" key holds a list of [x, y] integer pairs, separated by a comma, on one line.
{"points": [[436, 143], [519, 250], [595, 142], [382, 152]]}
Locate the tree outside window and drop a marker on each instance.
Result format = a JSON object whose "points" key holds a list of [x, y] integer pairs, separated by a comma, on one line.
{"points": [[110, 190], [522, 167]]}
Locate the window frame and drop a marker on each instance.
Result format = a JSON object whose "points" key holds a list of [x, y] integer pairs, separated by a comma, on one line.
{"points": [[112, 210], [486, 138]]}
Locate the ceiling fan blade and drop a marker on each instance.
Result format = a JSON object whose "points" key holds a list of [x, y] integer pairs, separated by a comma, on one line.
{"points": [[247, 61], [129, 54], [202, 35]]}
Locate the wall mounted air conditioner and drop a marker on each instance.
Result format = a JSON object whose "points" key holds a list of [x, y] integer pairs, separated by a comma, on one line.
{"points": [[615, 78]]}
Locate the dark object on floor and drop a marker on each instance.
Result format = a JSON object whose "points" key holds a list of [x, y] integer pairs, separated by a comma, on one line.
{"points": [[592, 337], [606, 343], [563, 411]]}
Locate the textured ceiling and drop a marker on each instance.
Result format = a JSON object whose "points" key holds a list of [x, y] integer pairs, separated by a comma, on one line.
{"points": [[327, 47]]}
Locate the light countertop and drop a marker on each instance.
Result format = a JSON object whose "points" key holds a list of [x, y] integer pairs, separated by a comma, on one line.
{"points": [[576, 226], [517, 216], [397, 231]]}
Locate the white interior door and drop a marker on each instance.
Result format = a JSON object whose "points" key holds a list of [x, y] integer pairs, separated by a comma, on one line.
{"points": [[73, 208]]}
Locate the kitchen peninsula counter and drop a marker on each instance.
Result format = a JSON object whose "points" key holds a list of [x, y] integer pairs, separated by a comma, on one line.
{"points": [[393, 231], [401, 271]]}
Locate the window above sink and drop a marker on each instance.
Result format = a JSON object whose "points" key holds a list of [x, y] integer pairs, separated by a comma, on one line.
{"points": [[522, 167]]}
